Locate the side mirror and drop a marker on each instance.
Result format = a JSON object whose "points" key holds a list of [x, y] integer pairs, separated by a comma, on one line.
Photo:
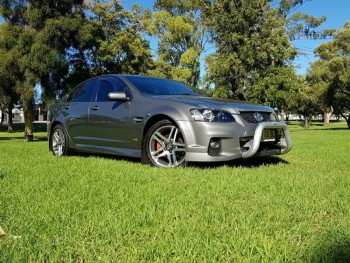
{"points": [[118, 96]]}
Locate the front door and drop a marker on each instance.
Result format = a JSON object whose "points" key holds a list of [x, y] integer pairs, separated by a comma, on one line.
{"points": [[76, 110], [109, 121]]}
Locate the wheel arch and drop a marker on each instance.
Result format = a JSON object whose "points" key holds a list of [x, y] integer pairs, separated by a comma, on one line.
{"points": [[154, 119]]}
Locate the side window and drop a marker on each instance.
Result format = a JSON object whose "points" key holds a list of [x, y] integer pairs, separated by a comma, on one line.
{"points": [[106, 86], [103, 90], [83, 92], [118, 85]]}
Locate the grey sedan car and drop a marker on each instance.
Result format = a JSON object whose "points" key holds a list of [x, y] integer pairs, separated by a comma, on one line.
{"points": [[163, 122]]}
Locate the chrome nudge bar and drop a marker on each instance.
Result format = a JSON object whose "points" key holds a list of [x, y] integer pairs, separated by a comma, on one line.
{"points": [[258, 133]]}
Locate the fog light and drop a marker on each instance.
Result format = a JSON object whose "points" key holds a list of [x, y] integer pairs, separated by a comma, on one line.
{"points": [[214, 148], [214, 144]]}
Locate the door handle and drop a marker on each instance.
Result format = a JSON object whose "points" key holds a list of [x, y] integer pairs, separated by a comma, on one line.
{"points": [[95, 108], [66, 107]]}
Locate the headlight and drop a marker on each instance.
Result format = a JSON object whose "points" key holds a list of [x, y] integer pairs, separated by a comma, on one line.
{"points": [[209, 115]]}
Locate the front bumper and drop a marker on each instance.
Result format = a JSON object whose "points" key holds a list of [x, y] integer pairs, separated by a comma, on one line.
{"points": [[286, 141], [199, 134]]}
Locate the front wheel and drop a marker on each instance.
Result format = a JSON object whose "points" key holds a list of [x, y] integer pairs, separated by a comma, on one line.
{"points": [[164, 145], [59, 141]]}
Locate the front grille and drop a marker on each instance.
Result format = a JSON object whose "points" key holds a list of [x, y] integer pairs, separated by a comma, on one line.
{"points": [[255, 117]]}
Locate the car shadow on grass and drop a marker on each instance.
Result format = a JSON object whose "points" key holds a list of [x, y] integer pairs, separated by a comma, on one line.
{"points": [[334, 249], [247, 163], [320, 129], [36, 139], [104, 156]]}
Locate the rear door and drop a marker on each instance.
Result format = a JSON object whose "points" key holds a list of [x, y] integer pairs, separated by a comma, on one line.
{"points": [[109, 121]]}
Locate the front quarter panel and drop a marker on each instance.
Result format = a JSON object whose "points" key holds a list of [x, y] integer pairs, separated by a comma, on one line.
{"points": [[145, 112]]}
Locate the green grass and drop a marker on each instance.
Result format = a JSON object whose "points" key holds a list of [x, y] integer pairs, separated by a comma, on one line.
{"points": [[293, 208]]}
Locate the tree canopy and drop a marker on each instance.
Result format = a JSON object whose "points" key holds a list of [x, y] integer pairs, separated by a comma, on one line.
{"points": [[182, 35], [253, 50]]}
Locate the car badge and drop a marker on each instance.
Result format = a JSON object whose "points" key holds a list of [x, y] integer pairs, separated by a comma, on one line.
{"points": [[258, 117]]}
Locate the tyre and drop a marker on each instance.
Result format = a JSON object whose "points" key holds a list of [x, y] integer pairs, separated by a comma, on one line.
{"points": [[164, 145], [59, 141]]}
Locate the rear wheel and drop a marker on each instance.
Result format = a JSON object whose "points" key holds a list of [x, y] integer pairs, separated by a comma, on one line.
{"points": [[59, 141], [164, 145]]}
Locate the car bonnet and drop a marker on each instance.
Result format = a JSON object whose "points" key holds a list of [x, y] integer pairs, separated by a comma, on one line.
{"points": [[232, 106]]}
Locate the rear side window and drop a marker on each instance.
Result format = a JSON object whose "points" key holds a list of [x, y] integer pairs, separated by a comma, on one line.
{"points": [[83, 92], [108, 85]]}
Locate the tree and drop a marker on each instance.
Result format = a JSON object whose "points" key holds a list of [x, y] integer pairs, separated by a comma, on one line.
{"points": [[331, 73], [182, 36], [304, 100], [119, 47], [318, 78], [253, 50], [9, 70], [300, 25], [42, 40], [110, 42], [254, 53]]}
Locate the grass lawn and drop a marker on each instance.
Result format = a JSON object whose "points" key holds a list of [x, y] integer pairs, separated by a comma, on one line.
{"points": [[293, 208]]}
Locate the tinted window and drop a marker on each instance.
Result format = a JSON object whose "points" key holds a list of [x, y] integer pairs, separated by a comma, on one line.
{"points": [[103, 90], [106, 86], [156, 86], [82, 92]]}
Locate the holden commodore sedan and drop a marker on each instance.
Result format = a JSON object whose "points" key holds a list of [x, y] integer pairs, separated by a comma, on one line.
{"points": [[163, 122]]}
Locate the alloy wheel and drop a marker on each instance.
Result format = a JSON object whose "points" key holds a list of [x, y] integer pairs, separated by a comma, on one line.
{"points": [[167, 147]]}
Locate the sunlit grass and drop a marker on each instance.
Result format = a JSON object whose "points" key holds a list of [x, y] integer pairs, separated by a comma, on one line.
{"points": [[88, 208]]}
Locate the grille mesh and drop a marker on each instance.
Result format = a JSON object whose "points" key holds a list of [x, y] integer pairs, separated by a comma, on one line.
{"points": [[249, 116]]}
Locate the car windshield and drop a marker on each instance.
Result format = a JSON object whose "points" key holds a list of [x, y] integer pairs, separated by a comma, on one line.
{"points": [[155, 86]]}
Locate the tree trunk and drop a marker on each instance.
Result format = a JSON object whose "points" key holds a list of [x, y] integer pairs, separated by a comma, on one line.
{"points": [[348, 121], [283, 115], [306, 121], [10, 117], [28, 120], [327, 115], [2, 117], [347, 118]]}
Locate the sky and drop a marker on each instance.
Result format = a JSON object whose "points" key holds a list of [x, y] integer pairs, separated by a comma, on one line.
{"points": [[336, 11]]}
